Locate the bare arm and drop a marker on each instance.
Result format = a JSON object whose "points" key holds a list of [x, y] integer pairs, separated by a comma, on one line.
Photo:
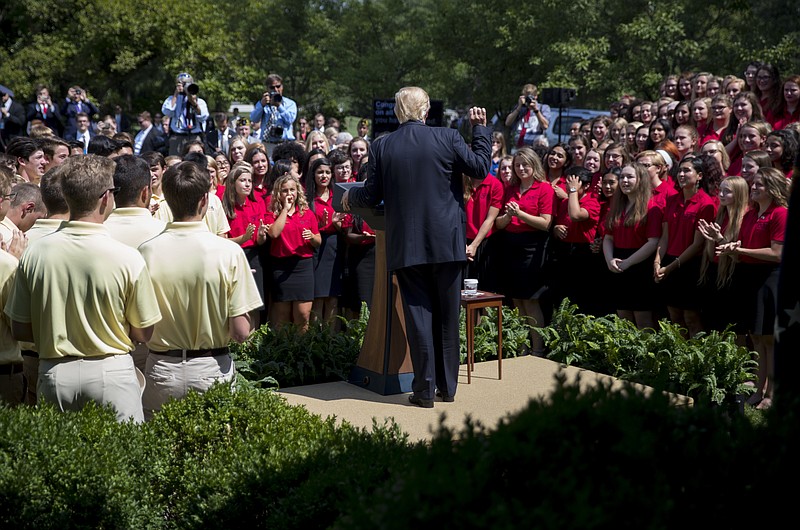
{"points": [[141, 335], [22, 331], [239, 328]]}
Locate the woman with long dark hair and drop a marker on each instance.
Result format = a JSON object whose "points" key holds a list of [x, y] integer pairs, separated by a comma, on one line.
{"points": [[677, 261]]}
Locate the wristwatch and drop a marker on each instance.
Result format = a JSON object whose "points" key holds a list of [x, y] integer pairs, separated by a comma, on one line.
{"points": [[573, 190]]}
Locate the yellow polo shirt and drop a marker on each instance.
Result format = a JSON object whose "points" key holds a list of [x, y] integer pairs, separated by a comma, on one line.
{"points": [[215, 219], [7, 228], [9, 348], [81, 290], [42, 227], [212, 284], [133, 226]]}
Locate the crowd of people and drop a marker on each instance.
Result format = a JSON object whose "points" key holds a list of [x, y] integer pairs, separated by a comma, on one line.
{"points": [[673, 208]]}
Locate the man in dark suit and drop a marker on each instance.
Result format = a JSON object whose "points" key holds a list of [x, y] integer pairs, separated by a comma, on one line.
{"points": [[219, 139], [13, 117], [76, 103], [417, 172], [149, 137]]}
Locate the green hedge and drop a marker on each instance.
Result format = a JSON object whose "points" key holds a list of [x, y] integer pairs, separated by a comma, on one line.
{"points": [[710, 367], [592, 459]]}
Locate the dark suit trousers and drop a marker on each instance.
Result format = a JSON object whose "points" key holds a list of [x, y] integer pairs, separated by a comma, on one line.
{"points": [[431, 296]]}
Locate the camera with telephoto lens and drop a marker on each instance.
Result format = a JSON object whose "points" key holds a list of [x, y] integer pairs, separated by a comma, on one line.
{"points": [[275, 98], [276, 132], [192, 88]]}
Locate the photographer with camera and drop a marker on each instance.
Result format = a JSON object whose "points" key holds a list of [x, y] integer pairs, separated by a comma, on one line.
{"points": [[187, 112], [529, 119], [76, 103], [276, 114]]}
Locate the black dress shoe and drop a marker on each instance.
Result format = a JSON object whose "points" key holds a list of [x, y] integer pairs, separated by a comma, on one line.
{"points": [[424, 403], [446, 399]]}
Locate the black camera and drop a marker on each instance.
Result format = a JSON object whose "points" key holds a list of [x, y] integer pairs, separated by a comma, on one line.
{"points": [[275, 98], [78, 91], [276, 132], [192, 89], [529, 99]]}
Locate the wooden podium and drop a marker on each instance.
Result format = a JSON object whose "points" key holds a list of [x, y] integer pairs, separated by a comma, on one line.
{"points": [[384, 364]]}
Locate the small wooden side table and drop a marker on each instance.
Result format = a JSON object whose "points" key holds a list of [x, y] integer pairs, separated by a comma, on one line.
{"points": [[472, 303]]}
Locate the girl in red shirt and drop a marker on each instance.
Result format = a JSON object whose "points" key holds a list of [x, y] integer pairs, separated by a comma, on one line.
{"points": [[294, 232], [483, 200], [755, 278], [328, 262], [358, 150], [522, 234], [677, 261], [246, 217], [782, 147], [633, 228], [574, 231]]}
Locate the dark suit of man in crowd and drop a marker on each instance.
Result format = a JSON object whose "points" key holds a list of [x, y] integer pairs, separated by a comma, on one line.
{"points": [[417, 172], [13, 117]]}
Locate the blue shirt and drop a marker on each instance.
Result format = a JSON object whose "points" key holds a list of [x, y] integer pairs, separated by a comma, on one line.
{"points": [[281, 116], [177, 115]]}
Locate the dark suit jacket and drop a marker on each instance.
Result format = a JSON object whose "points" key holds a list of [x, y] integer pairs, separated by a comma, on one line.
{"points": [[70, 112], [34, 112], [212, 140], [417, 172], [15, 122], [154, 141]]}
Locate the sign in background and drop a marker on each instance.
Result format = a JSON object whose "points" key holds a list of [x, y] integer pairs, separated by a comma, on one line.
{"points": [[384, 120]]}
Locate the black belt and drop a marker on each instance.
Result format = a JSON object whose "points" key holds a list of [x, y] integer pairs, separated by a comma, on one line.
{"points": [[10, 369], [190, 354], [30, 353]]}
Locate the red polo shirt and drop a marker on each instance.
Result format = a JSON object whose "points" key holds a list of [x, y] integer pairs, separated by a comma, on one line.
{"points": [[580, 231], [324, 211], [637, 235], [250, 212], [760, 232], [682, 217], [290, 242], [348, 223], [487, 194], [664, 191], [537, 200]]}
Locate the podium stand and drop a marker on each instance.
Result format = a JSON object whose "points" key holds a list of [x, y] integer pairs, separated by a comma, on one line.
{"points": [[384, 363]]}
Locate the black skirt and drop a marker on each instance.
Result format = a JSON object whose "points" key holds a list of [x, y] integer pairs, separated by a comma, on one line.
{"points": [[520, 264], [254, 260], [633, 289], [679, 289], [756, 287], [328, 267], [292, 279]]}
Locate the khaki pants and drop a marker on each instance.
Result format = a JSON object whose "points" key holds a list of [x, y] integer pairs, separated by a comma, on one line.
{"points": [[70, 383], [172, 378]]}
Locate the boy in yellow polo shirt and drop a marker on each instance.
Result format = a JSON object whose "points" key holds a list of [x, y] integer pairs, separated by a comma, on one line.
{"points": [[84, 299], [205, 300], [57, 213]]}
